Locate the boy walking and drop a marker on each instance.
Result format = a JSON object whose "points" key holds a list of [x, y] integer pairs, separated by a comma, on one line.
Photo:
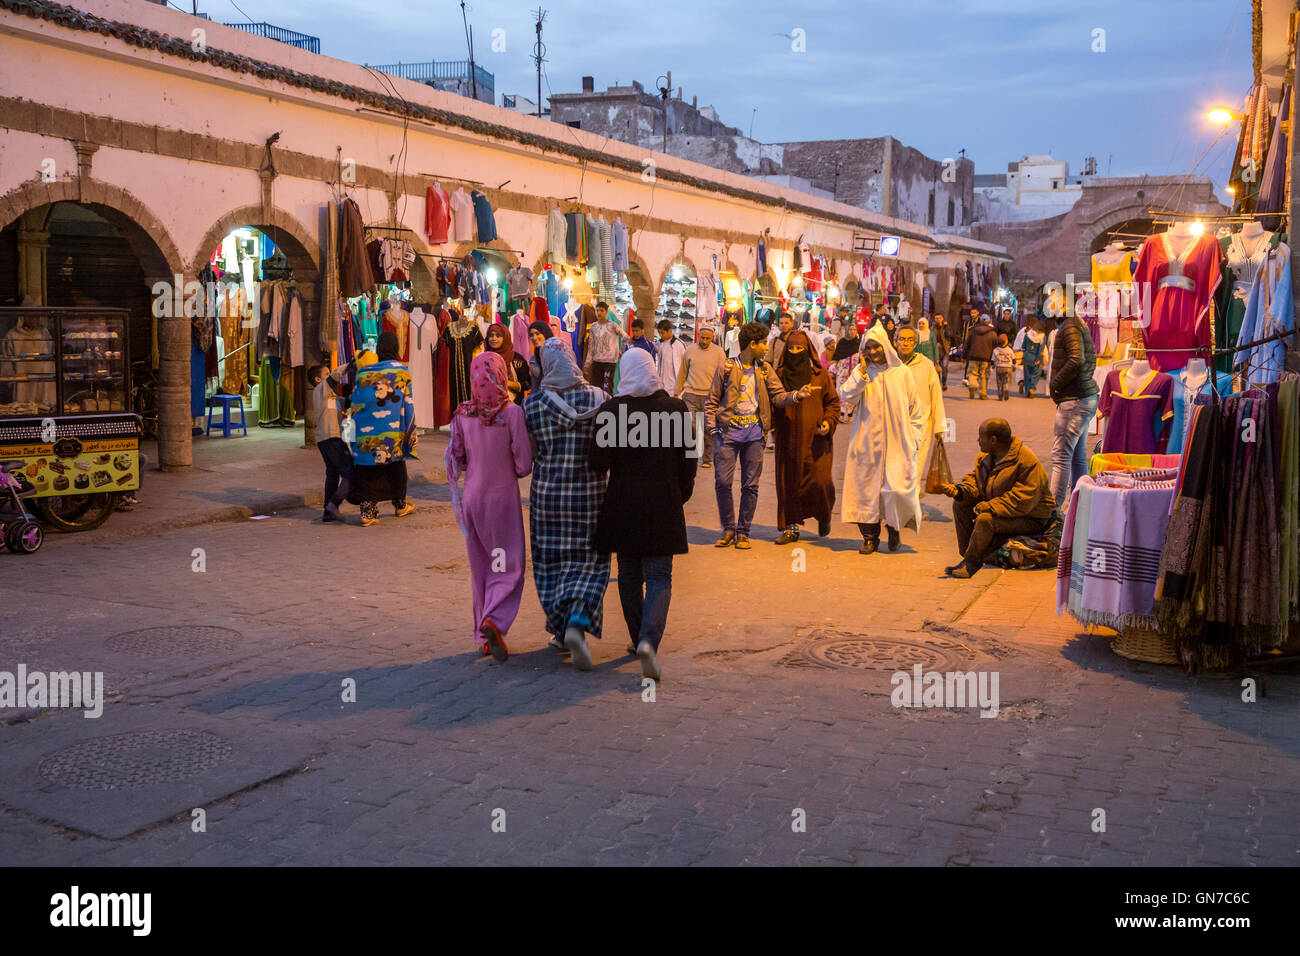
{"points": [[329, 439], [738, 415], [1004, 362]]}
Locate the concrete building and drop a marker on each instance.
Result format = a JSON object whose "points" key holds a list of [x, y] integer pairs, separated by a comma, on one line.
{"points": [[130, 156], [1033, 187], [880, 175], [453, 76]]}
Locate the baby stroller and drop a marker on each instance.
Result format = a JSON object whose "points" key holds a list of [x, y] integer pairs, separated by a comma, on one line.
{"points": [[22, 534]]}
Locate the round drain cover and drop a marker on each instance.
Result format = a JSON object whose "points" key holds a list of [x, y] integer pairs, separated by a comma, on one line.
{"points": [[884, 653], [135, 759], [186, 640]]}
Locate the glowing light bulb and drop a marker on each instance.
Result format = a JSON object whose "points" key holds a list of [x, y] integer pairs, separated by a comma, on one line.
{"points": [[568, 282], [677, 272], [1230, 190], [491, 276], [1221, 115], [1197, 228]]}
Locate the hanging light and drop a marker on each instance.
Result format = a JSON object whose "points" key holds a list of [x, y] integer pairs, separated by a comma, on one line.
{"points": [[568, 282], [677, 272], [491, 276], [1222, 116]]}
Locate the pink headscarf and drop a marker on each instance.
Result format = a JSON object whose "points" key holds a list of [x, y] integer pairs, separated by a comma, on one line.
{"points": [[487, 388]]}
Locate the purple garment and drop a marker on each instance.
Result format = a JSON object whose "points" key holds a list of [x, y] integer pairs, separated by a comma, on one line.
{"points": [[492, 458], [1136, 424], [1272, 190], [1094, 329]]}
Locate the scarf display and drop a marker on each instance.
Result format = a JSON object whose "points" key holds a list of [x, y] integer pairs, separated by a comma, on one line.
{"points": [[1227, 583], [1113, 550], [637, 375], [489, 395]]}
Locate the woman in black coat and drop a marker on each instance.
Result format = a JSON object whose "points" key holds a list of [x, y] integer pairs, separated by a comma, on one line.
{"points": [[642, 518]]}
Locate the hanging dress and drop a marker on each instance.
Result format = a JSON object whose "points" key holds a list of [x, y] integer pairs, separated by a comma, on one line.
{"points": [[461, 344], [1137, 422]]}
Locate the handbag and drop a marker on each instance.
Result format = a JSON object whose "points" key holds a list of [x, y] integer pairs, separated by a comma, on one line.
{"points": [[940, 473]]}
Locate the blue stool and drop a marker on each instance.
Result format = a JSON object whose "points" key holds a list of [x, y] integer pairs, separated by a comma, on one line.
{"points": [[225, 401]]}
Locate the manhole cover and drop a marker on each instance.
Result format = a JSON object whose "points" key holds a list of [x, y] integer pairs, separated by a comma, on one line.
{"points": [[136, 759], [186, 640], [878, 653]]}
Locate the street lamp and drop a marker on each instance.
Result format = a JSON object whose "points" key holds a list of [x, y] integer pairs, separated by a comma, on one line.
{"points": [[1222, 116]]}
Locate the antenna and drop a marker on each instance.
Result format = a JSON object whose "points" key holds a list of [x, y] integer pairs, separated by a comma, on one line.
{"points": [[665, 84], [469, 42], [539, 56], [751, 122]]}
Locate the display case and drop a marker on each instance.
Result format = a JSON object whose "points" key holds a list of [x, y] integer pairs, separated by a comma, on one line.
{"points": [[65, 430], [63, 361]]}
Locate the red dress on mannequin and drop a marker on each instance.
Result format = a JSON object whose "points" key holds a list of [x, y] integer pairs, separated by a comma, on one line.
{"points": [[1176, 281]]}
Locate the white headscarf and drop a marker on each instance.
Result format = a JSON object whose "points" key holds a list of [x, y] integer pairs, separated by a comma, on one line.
{"points": [[922, 330], [877, 334], [637, 375]]}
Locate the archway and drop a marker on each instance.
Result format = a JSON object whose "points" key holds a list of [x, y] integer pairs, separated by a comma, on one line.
{"points": [[1131, 232], [266, 267]]}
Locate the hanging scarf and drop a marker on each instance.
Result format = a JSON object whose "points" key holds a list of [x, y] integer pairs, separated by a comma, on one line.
{"points": [[488, 393], [795, 369], [637, 375]]}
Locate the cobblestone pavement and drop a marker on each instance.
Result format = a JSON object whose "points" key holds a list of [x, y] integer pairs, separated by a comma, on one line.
{"points": [[449, 758]]}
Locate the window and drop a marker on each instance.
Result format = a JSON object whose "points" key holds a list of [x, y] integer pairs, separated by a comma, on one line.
{"points": [[930, 220], [576, 124], [952, 212]]}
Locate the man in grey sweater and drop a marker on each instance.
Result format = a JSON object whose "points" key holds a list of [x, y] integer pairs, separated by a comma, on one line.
{"points": [[699, 366]]}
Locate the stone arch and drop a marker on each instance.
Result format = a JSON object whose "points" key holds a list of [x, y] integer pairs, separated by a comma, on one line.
{"points": [[644, 296], [285, 231], [1120, 212], [149, 239]]}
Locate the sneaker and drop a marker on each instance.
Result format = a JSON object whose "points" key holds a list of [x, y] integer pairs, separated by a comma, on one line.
{"points": [[331, 513], [367, 522], [495, 643], [576, 642], [742, 542], [727, 540], [672, 302], [405, 510], [649, 660], [688, 303]]}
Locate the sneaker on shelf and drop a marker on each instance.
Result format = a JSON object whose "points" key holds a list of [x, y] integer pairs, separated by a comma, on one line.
{"points": [[673, 302], [670, 315], [688, 303]]}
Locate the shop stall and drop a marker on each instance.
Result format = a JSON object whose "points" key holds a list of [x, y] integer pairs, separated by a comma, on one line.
{"points": [[67, 433]]}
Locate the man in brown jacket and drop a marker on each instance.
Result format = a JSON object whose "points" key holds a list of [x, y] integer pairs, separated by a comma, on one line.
{"points": [[1006, 494]]}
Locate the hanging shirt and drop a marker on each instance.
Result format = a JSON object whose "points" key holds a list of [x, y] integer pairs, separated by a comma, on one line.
{"points": [[519, 280], [1137, 420], [1269, 310], [557, 231], [618, 238], [484, 218], [437, 215], [462, 212]]}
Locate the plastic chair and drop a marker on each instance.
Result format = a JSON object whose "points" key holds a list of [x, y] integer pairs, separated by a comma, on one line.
{"points": [[226, 425]]}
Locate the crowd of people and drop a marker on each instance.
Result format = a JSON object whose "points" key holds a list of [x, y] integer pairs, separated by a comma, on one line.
{"points": [[786, 390]]}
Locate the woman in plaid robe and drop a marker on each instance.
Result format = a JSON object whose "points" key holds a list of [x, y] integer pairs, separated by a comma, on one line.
{"points": [[564, 500]]}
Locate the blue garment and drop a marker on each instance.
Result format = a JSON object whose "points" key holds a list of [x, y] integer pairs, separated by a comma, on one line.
{"points": [[762, 258], [487, 223], [1269, 310], [553, 292], [198, 383], [645, 588], [726, 451], [644, 343], [1181, 421], [384, 413]]}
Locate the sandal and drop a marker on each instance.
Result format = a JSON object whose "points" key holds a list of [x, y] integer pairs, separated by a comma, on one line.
{"points": [[496, 644]]}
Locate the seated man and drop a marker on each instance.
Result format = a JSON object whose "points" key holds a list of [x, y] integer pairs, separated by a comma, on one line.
{"points": [[1006, 494]]}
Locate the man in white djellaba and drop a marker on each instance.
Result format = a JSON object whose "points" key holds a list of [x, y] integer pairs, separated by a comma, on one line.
{"points": [[882, 480]]}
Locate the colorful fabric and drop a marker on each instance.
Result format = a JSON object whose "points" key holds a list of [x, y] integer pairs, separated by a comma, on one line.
{"points": [[384, 414], [490, 396]]}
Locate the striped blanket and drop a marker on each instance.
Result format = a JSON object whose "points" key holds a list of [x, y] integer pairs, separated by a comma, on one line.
{"points": [[1110, 551]]}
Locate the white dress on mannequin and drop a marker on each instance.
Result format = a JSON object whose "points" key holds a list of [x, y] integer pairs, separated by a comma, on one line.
{"points": [[424, 334]]}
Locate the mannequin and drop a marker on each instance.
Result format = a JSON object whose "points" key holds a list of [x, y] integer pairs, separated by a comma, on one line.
{"points": [[1137, 405], [1244, 253], [1112, 275], [1190, 384], [464, 340], [1178, 272]]}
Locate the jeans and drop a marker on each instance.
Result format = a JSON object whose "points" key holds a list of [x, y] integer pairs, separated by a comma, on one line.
{"points": [[978, 372], [725, 453], [1004, 383], [1070, 446], [695, 402], [338, 469], [646, 612]]}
